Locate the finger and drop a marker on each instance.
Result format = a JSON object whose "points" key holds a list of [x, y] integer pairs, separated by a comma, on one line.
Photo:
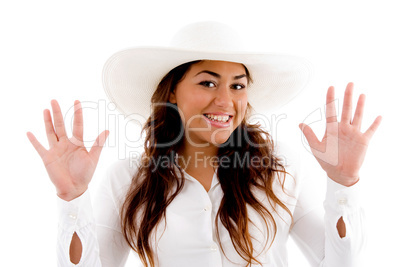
{"points": [[330, 108], [347, 104], [96, 149], [310, 135], [38, 147], [50, 133], [373, 127], [58, 120], [78, 125], [357, 119]]}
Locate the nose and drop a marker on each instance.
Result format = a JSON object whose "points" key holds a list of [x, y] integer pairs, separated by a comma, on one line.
{"points": [[223, 97]]}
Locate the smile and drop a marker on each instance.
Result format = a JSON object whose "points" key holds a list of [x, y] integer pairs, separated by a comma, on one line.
{"points": [[218, 118], [218, 121]]}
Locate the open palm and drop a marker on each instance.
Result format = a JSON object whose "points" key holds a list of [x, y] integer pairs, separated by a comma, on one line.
{"points": [[342, 150], [69, 165]]}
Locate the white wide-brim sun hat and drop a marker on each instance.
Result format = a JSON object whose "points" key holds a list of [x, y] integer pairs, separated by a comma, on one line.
{"points": [[131, 76]]}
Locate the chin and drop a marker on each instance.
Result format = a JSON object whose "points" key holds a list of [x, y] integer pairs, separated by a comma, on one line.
{"points": [[219, 138]]}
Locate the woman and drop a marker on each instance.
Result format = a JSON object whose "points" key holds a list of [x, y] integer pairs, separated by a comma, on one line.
{"points": [[210, 189]]}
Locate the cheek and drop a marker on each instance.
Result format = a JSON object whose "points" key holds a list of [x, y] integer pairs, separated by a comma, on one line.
{"points": [[243, 104], [193, 104]]}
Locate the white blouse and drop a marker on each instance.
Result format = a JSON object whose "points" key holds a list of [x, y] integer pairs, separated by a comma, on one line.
{"points": [[189, 238]]}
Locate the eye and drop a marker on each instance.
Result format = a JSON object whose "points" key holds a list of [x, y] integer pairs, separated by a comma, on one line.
{"points": [[238, 86], [208, 84]]}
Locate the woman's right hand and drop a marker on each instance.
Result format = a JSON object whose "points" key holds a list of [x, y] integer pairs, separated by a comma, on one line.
{"points": [[68, 163]]}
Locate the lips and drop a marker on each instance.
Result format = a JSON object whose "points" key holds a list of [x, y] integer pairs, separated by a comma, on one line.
{"points": [[218, 124], [218, 118]]}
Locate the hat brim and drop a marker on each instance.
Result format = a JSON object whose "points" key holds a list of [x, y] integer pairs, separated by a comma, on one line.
{"points": [[131, 76]]}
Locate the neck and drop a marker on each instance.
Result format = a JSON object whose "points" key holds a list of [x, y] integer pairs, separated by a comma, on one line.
{"points": [[195, 158]]}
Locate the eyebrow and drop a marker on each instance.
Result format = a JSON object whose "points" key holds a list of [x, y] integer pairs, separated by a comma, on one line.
{"points": [[237, 77]]}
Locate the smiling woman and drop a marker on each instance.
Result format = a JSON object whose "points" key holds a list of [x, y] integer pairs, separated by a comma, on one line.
{"points": [[200, 156], [211, 188], [207, 97]]}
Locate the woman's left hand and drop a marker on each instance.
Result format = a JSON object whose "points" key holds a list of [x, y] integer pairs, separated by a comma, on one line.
{"points": [[343, 147]]}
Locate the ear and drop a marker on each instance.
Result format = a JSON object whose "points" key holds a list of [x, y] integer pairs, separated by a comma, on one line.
{"points": [[172, 97]]}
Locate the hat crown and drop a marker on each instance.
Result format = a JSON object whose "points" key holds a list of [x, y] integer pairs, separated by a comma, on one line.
{"points": [[208, 36], [131, 76]]}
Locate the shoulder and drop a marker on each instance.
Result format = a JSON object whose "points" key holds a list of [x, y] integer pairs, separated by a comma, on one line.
{"points": [[288, 153], [119, 175], [126, 167]]}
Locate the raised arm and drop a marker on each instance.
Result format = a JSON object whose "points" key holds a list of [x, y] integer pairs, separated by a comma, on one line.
{"points": [[69, 165], [342, 150], [337, 237]]}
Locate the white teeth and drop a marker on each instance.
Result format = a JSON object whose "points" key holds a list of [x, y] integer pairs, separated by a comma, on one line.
{"points": [[218, 118]]}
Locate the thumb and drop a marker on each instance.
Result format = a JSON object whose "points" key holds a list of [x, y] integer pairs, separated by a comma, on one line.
{"points": [[96, 148], [309, 134]]}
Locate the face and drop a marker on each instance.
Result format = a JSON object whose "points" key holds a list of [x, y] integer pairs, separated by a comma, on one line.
{"points": [[212, 101]]}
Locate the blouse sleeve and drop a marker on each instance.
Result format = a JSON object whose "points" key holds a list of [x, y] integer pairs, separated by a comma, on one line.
{"points": [[315, 232], [77, 216], [97, 224]]}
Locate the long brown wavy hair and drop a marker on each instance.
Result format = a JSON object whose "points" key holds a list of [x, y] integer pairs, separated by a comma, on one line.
{"points": [[153, 188]]}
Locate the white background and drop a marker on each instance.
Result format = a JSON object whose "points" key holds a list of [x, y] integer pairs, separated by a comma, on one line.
{"points": [[56, 50]]}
